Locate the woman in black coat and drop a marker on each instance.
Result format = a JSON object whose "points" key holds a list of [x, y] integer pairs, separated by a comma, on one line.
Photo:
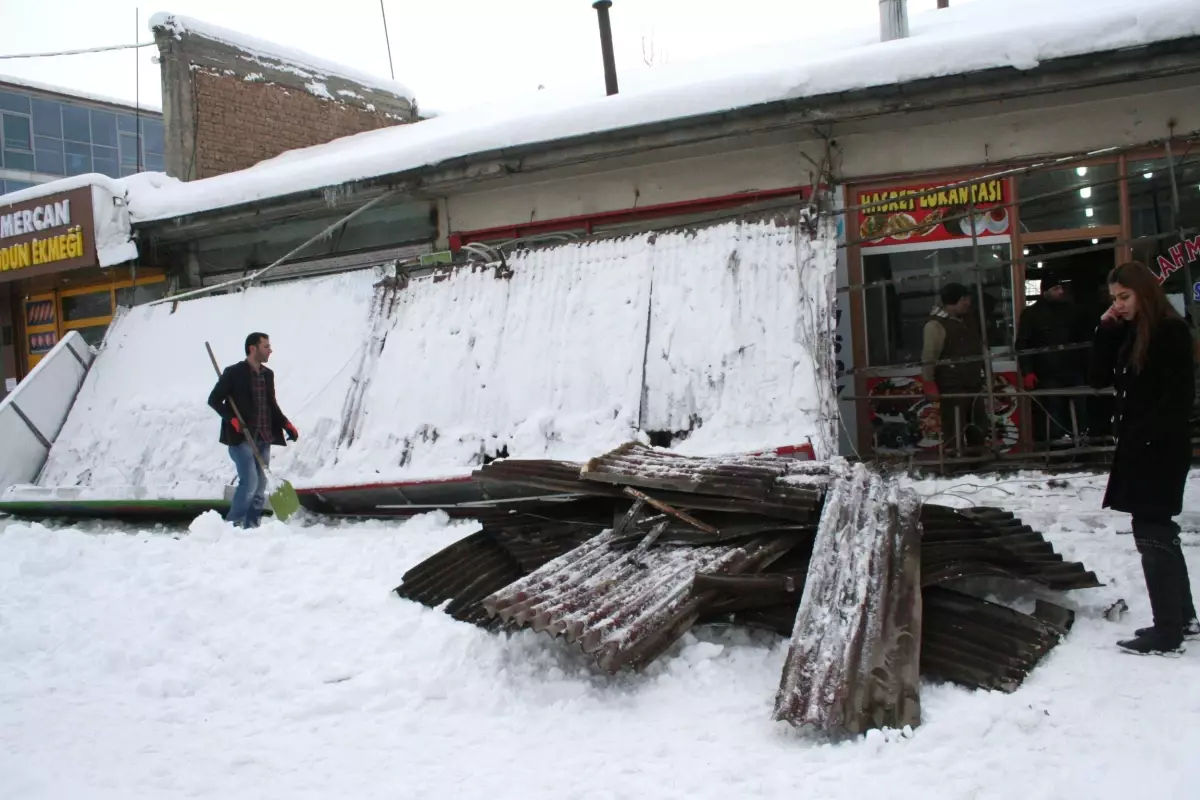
{"points": [[1146, 352]]}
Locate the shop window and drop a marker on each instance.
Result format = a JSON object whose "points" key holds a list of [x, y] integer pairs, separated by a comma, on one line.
{"points": [[76, 123], [78, 307], [17, 133], [1070, 199], [155, 163], [92, 334], [47, 118], [143, 293], [104, 128], [1154, 225], [897, 313], [14, 102]]}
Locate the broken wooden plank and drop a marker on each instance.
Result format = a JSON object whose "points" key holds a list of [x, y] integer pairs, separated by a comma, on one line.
{"points": [[854, 658], [666, 508]]}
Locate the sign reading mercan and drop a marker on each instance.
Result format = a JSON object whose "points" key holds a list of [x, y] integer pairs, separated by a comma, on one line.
{"points": [[47, 234]]}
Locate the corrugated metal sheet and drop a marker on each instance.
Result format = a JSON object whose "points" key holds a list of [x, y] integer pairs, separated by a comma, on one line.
{"points": [[621, 609]]}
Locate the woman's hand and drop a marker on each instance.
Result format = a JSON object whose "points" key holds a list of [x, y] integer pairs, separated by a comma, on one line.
{"points": [[1110, 315]]}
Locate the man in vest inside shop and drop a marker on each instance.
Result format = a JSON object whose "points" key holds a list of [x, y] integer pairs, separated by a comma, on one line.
{"points": [[251, 387], [952, 333]]}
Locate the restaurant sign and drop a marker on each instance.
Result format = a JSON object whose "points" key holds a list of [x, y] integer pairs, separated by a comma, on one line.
{"points": [[927, 213], [46, 235]]}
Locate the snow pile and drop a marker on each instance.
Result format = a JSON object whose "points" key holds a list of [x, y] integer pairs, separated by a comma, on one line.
{"points": [[981, 35], [274, 55], [278, 664], [715, 331], [141, 418]]}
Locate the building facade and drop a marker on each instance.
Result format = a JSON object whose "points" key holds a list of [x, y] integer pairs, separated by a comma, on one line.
{"points": [[49, 133]]}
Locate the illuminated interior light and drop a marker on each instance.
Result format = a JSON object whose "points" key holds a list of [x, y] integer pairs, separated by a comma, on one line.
{"points": [[1091, 212], [1081, 171], [1085, 192]]}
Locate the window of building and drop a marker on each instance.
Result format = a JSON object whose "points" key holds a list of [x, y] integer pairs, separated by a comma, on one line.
{"points": [[897, 312], [104, 128], [77, 124], [78, 157], [10, 101], [1152, 218], [47, 118], [49, 155], [62, 138], [1070, 199], [17, 135]]}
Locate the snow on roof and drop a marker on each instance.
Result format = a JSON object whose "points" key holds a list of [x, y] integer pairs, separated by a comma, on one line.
{"points": [[300, 63], [24, 83], [976, 36]]}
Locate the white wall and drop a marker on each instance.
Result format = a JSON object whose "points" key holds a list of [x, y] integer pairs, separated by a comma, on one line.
{"points": [[959, 137]]}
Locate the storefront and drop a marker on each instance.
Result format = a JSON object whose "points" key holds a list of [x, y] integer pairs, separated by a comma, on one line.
{"points": [[51, 281], [911, 237]]}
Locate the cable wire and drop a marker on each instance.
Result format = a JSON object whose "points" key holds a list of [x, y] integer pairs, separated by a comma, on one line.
{"points": [[78, 52]]}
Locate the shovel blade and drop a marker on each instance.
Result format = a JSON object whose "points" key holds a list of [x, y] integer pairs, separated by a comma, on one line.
{"points": [[284, 501]]}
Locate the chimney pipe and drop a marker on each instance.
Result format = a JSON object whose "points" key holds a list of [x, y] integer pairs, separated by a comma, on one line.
{"points": [[893, 20], [606, 47], [943, 3]]}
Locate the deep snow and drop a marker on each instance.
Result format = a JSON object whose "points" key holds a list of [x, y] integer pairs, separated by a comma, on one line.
{"points": [[278, 664]]}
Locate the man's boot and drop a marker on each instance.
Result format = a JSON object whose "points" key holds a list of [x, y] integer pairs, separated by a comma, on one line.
{"points": [[1162, 570]]}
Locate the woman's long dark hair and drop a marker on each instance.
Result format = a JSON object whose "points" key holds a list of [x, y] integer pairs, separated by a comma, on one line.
{"points": [[1152, 308]]}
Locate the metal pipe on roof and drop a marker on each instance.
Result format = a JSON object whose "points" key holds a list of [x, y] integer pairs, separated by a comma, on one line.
{"points": [[606, 46], [893, 20], [943, 3]]}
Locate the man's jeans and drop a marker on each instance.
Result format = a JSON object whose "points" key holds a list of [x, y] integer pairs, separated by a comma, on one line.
{"points": [[251, 495]]}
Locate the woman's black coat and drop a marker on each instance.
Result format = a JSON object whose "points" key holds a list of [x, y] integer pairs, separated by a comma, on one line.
{"points": [[1152, 423]]}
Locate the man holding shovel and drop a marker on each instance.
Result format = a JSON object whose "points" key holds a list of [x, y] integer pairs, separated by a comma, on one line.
{"points": [[246, 390]]}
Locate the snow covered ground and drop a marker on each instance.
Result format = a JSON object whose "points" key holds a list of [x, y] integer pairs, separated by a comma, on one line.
{"points": [[213, 663]]}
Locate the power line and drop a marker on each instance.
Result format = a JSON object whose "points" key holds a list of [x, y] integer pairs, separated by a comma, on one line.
{"points": [[78, 52]]}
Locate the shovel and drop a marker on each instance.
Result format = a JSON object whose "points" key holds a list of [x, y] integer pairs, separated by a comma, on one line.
{"points": [[283, 499]]}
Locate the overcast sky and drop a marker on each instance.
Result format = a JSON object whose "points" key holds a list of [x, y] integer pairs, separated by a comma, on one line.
{"points": [[451, 53]]}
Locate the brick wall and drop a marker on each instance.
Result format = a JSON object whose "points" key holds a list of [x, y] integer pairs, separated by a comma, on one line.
{"points": [[239, 122]]}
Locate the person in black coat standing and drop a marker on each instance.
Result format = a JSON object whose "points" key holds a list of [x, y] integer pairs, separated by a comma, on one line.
{"points": [[1145, 351], [251, 387]]}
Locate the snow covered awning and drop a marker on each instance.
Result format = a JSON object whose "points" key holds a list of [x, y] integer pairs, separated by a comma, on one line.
{"points": [[75, 222]]}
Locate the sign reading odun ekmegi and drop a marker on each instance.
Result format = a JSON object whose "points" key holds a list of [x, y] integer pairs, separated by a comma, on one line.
{"points": [[47, 235]]}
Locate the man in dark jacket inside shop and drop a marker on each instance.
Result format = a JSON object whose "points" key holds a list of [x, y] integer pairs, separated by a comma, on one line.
{"points": [[250, 386], [953, 333], [1053, 321]]}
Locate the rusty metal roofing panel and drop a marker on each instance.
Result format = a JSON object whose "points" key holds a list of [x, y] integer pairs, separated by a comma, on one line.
{"points": [[622, 610]]}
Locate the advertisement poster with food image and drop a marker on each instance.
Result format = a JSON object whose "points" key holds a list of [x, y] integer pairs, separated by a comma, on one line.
{"points": [[904, 215], [901, 425]]}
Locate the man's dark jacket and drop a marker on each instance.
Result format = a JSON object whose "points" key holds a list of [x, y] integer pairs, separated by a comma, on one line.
{"points": [[1050, 323], [1154, 442], [234, 384]]}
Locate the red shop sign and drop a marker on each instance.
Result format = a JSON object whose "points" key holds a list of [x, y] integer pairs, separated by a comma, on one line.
{"points": [[897, 215]]}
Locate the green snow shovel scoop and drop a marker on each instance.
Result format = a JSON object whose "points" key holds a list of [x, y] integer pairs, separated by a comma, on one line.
{"points": [[283, 499]]}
